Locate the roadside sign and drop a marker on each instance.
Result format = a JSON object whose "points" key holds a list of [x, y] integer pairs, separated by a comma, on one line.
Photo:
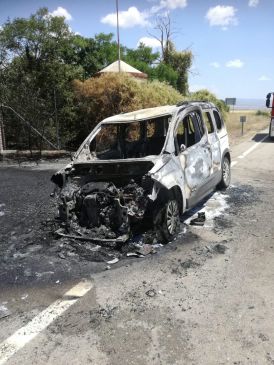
{"points": [[242, 120], [230, 101]]}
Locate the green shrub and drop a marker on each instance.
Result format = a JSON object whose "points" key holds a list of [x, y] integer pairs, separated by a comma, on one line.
{"points": [[100, 97], [263, 113], [205, 95]]}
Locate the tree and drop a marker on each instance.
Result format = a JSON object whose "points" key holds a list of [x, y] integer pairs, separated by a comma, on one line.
{"points": [[179, 61], [36, 81]]}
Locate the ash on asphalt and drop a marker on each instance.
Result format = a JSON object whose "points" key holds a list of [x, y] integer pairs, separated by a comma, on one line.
{"points": [[30, 254]]}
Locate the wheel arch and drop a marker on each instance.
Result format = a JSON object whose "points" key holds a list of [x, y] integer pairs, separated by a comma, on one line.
{"points": [[174, 192], [226, 153]]}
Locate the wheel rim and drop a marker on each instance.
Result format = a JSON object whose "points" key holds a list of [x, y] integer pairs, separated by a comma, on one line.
{"points": [[172, 217], [226, 171]]}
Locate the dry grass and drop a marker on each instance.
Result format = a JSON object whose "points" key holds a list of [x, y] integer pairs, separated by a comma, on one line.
{"points": [[111, 94], [254, 124]]}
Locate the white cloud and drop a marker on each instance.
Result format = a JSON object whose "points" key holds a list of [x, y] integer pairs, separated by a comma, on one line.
{"points": [[149, 42], [253, 3], [264, 78], [61, 12], [173, 4], [222, 16], [215, 64], [235, 63], [168, 5], [128, 18]]}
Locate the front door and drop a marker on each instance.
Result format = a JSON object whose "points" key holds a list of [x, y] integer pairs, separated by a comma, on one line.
{"points": [[195, 156]]}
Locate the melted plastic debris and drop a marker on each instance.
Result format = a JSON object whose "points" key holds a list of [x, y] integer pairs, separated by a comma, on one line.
{"points": [[2, 206]]}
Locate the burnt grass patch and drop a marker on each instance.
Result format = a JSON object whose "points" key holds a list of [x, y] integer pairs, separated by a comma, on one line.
{"points": [[238, 197]]}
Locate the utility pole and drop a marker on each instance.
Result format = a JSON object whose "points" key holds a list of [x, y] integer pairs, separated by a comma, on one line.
{"points": [[118, 37]]}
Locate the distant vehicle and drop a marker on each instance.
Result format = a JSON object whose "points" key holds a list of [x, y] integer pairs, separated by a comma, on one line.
{"points": [[270, 105], [144, 168]]}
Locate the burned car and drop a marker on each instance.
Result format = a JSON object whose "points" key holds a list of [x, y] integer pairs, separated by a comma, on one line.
{"points": [[143, 170]]}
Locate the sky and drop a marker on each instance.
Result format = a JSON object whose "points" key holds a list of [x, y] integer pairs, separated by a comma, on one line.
{"points": [[231, 40]]}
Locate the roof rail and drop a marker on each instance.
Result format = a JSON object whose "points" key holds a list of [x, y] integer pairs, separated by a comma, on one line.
{"points": [[183, 102]]}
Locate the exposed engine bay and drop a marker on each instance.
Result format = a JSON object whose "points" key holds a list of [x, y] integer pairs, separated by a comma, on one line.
{"points": [[105, 201]]}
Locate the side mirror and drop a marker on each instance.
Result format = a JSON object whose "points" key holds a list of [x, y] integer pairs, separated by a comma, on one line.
{"points": [[267, 103], [182, 148]]}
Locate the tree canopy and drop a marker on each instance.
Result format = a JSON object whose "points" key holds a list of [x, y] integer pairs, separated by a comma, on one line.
{"points": [[40, 57]]}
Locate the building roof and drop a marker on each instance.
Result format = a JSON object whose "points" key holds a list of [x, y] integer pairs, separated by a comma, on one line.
{"points": [[124, 67]]}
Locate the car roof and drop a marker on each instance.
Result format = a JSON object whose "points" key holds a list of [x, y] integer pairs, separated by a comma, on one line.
{"points": [[159, 111], [142, 114]]}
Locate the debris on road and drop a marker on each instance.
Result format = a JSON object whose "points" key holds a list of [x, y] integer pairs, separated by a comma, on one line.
{"points": [[220, 248], [114, 261], [146, 250], [4, 311], [1, 209], [198, 221], [151, 293], [190, 263], [134, 254]]}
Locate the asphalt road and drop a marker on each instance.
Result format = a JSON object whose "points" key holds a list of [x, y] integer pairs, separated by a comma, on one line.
{"points": [[206, 298]]}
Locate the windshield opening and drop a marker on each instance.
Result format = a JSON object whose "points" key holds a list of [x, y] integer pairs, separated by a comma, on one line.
{"points": [[130, 140]]}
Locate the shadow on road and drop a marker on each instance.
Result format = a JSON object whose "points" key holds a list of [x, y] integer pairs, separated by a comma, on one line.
{"points": [[259, 136]]}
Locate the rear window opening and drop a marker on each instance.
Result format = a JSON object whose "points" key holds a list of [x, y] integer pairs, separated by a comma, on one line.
{"points": [[130, 140]]}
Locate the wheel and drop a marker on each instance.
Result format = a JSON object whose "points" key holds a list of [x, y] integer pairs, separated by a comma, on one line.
{"points": [[226, 174], [167, 221]]}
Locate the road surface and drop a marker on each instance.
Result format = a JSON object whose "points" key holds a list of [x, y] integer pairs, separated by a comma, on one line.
{"points": [[206, 298]]}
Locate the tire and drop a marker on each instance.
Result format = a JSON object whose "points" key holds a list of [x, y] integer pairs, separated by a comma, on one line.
{"points": [[226, 174], [167, 221]]}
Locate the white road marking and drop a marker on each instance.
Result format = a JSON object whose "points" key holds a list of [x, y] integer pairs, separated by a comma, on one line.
{"points": [[247, 152], [27, 333], [252, 148]]}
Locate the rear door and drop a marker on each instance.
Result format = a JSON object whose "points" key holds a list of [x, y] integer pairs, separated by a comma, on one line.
{"points": [[214, 140], [221, 130]]}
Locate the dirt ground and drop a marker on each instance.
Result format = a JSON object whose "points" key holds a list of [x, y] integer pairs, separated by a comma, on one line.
{"points": [[205, 298]]}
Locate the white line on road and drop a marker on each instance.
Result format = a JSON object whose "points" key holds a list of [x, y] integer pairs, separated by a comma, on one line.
{"points": [[247, 152], [252, 148], [27, 333]]}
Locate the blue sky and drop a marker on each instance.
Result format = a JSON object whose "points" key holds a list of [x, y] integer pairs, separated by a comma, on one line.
{"points": [[231, 40]]}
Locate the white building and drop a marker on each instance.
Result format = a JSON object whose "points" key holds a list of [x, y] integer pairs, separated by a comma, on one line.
{"points": [[124, 67]]}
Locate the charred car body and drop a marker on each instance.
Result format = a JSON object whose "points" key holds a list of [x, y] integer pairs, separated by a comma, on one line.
{"points": [[143, 169]]}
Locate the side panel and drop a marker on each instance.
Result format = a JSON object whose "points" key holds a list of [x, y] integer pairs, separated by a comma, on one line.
{"points": [[271, 128]]}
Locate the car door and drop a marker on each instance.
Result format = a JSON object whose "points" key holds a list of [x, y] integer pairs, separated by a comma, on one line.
{"points": [[214, 141], [195, 156]]}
